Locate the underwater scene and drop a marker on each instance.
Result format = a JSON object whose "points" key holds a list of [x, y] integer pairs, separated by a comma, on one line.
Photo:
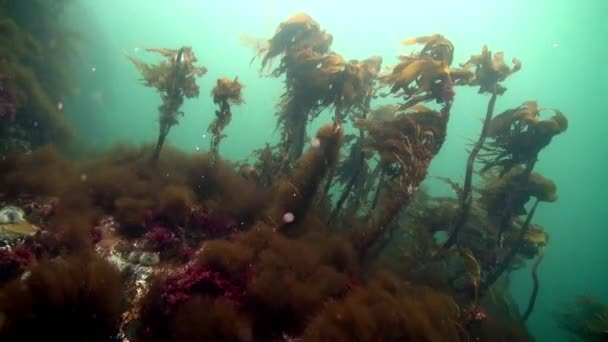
{"points": [[294, 170]]}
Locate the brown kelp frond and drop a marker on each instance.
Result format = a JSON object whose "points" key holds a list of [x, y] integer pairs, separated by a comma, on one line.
{"points": [[406, 140], [414, 76], [517, 136], [72, 298], [174, 79], [490, 70], [224, 93], [310, 71], [160, 76], [406, 145], [355, 89], [425, 75], [528, 241], [298, 31], [227, 90], [436, 46], [487, 74]]}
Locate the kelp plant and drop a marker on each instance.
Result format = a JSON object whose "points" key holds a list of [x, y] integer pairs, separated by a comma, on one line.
{"points": [[224, 93], [174, 79], [407, 138]]}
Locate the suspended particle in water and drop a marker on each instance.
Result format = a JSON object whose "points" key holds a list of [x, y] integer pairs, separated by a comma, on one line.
{"points": [[93, 69], [204, 135], [555, 45], [60, 105], [83, 177], [289, 217], [197, 148], [316, 143]]}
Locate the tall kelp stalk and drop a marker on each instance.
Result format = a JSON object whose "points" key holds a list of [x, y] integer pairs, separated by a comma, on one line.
{"points": [[489, 71], [224, 93], [174, 79], [352, 92], [517, 136], [294, 194], [36, 51]]}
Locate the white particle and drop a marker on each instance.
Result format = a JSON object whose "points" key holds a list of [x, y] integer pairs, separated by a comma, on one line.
{"points": [[83, 177], [197, 148], [288, 217], [204, 136], [93, 69], [555, 45]]}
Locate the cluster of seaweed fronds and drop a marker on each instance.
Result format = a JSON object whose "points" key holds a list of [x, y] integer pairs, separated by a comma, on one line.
{"points": [[174, 79], [405, 137], [586, 318], [225, 92], [315, 79], [516, 137], [406, 145], [426, 75]]}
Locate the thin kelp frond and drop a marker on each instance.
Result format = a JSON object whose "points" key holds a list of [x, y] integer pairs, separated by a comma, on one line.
{"points": [[224, 93], [174, 79]]}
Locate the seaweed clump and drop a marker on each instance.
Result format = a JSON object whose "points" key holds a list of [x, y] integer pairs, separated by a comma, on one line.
{"points": [[224, 93], [174, 79], [71, 298], [400, 312]]}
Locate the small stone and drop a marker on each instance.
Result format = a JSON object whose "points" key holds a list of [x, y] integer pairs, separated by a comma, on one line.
{"points": [[149, 259], [134, 257]]}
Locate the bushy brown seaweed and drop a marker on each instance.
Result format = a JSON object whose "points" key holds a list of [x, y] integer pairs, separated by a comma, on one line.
{"points": [[518, 135], [70, 298], [174, 79], [224, 93]]}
